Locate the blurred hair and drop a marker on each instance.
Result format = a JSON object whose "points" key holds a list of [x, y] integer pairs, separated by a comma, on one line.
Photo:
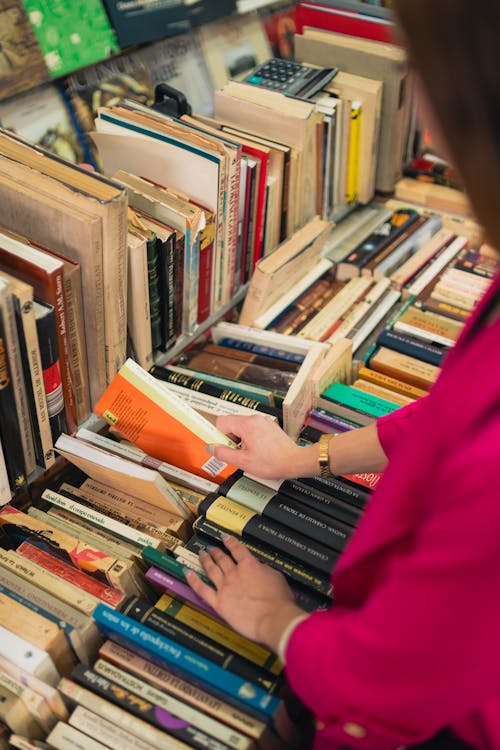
{"points": [[454, 45]]}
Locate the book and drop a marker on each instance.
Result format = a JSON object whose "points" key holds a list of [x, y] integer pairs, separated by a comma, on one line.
{"points": [[71, 210], [398, 386], [246, 523], [418, 260], [344, 21], [197, 720], [382, 392], [24, 65], [16, 715], [412, 346], [93, 725], [41, 116], [403, 367], [147, 643], [191, 695], [13, 377], [382, 61], [173, 432], [295, 571], [233, 46], [121, 474], [138, 305], [429, 326], [71, 36], [190, 638], [163, 581], [38, 710], [51, 372], [28, 657], [5, 491], [292, 513], [143, 23], [65, 737], [37, 630], [300, 396], [79, 630], [339, 394], [45, 275]]}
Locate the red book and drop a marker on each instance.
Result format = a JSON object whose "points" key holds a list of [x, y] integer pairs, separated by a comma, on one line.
{"points": [[45, 274], [344, 22], [369, 480], [108, 594]]}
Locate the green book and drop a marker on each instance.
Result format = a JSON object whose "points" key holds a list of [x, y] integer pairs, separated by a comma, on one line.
{"points": [[71, 33], [359, 400]]}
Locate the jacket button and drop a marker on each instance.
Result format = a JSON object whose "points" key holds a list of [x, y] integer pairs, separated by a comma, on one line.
{"points": [[354, 730], [319, 725]]}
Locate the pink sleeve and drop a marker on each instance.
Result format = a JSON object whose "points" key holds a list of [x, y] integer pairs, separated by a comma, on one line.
{"points": [[423, 648], [392, 428]]}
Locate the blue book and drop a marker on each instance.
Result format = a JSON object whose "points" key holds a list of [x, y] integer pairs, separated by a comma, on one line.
{"points": [[412, 346], [262, 349], [184, 662]]}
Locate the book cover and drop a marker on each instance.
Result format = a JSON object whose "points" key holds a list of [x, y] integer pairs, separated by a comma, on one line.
{"points": [[51, 368], [94, 726], [22, 65], [159, 423], [71, 34], [146, 642], [344, 21], [121, 475], [409, 369], [412, 346], [138, 305], [143, 21]]}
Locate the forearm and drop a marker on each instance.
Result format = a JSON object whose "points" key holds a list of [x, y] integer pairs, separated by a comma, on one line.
{"points": [[350, 452]]}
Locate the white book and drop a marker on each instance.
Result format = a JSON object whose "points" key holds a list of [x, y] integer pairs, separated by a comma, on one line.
{"points": [[112, 735], [117, 528], [408, 247], [256, 336], [26, 743], [138, 311], [121, 474], [359, 310], [423, 334], [48, 692], [437, 265], [336, 307], [138, 456], [28, 657], [64, 737]]}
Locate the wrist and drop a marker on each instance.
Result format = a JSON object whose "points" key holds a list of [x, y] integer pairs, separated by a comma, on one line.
{"points": [[274, 623]]}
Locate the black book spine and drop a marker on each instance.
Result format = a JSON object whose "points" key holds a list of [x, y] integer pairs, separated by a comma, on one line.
{"points": [[269, 532], [403, 343], [144, 709], [341, 489], [315, 583], [185, 636], [225, 394], [378, 240], [180, 251], [293, 514], [154, 292], [313, 497], [171, 302], [49, 355], [284, 364], [9, 428]]}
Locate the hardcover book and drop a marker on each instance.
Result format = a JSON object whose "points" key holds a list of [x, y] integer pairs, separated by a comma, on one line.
{"points": [[21, 65], [143, 21]]}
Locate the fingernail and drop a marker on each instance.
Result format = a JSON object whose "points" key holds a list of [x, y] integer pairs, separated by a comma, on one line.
{"points": [[225, 537], [186, 571], [204, 552], [210, 449]]}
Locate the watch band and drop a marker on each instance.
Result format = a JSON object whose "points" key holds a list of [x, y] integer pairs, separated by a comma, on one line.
{"points": [[324, 455]]}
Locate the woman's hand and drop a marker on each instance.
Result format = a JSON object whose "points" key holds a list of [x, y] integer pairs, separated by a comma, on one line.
{"points": [[265, 450], [251, 597]]}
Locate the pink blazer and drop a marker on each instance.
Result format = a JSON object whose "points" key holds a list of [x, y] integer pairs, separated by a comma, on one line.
{"points": [[412, 643]]}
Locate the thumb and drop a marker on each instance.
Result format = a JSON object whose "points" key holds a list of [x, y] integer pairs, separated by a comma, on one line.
{"points": [[222, 452]]}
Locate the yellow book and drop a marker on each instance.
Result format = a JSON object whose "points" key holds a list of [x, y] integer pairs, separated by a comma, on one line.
{"points": [[353, 157]]}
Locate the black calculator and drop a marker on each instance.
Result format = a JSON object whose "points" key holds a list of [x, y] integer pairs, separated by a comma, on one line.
{"points": [[290, 77]]}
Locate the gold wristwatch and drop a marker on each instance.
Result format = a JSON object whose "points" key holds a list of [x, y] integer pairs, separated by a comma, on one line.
{"points": [[324, 456]]}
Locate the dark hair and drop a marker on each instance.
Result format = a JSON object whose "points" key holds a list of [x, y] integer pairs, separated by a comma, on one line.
{"points": [[454, 45]]}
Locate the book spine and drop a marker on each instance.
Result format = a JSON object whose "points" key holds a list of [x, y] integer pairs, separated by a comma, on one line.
{"points": [[289, 512], [199, 722], [315, 498], [42, 688], [412, 347], [293, 569], [246, 523], [76, 335], [147, 711], [355, 399], [49, 562], [109, 734], [188, 693], [49, 355], [9, 428], [65, 737], [197, 384], [30, 353], [147, 642], [185, 636], [340, 489], [99, 519], [18, 377], [154, 292], [284, 364], [166, 563], [336, 424], [171, 307], [164, 581], [205, 275], [398, 386], [28, 657]]}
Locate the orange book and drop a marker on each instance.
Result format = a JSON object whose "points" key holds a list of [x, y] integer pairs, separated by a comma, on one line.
{"points": [[146, 412]]}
